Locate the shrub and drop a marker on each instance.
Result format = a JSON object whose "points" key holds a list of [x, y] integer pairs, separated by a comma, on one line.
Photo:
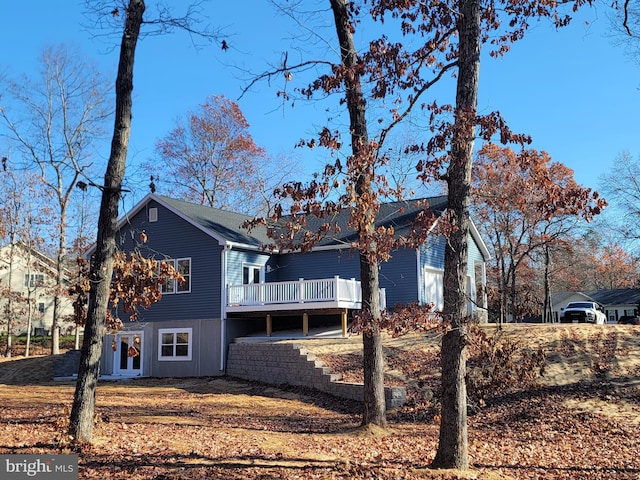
{"points": [[498, 364]]}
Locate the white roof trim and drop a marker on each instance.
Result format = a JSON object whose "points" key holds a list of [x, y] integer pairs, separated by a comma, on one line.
{"points": [[476, 236], [148, 198]]}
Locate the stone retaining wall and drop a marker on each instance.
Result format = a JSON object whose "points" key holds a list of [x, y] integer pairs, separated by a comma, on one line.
{"points": [[67, 364], [292, 364]]}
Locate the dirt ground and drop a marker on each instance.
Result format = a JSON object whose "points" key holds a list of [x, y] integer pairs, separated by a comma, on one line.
{"points": [[581, 421]]}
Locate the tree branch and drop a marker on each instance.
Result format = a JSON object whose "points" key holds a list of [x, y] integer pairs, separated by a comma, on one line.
{"points": [[283, 70], [626, 18]]}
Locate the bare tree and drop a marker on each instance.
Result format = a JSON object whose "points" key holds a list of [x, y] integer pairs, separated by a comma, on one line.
{"points": [[81, 419], [102, 263], [59, 118], [364, 189], [625, 22], [19, 233], [210, 158], [526, 202], [622, 188]]}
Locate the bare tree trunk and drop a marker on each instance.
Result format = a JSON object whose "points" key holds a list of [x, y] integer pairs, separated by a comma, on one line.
{"points": [[27, 345], [10, 316], [504, 297], [453, 441], [57, 301], [82, 412], [373, 359], [55, 326], [374, 411], [513, 293], [547, 315]]}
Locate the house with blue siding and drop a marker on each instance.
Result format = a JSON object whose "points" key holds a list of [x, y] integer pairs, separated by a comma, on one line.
{"points": [[234, 286]]}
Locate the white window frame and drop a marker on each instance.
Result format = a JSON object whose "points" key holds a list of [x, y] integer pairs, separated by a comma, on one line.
{"points": [[175, 285], [33, 280], [175, 332], [251, 269]]}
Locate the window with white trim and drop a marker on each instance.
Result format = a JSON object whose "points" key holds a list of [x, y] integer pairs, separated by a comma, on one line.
{"points": [[182, 266], [252, 274], [174, 344], [32, 280]]}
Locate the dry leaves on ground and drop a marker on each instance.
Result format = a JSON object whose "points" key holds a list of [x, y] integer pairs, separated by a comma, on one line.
{"points": [[217, 428]]}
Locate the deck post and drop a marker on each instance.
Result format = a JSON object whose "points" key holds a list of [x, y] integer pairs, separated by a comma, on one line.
{"points": [[344, 322], [269, 325], [305, 324]]}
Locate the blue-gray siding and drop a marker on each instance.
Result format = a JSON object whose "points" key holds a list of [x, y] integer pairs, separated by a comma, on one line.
{"points": [[173, 237], [474, 256], [432, 253], [319, 264], [398, 276], [236, 259], [205, 353]]}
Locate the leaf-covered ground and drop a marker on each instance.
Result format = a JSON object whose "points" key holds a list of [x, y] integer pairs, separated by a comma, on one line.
{"points": [[581, 422]]}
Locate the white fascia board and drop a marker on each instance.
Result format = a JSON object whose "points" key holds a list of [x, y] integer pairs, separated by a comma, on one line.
{"points": [[476, 236], [145, 201]]}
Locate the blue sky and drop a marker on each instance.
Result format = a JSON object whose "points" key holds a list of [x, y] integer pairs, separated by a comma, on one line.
{"points": [[574, 91]]}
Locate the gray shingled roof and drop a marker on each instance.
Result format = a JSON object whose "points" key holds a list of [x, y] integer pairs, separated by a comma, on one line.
{"points": [[222, 223], [617, 296], [560, 297], [399, 215], [228, 225]]}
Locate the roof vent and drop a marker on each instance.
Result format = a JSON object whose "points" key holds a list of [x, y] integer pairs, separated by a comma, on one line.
{"points": [[153, 214]]}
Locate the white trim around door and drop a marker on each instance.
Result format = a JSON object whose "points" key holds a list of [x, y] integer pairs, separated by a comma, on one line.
{"points": [[127, 355]]}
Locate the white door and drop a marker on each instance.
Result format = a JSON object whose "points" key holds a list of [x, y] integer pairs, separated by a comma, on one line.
{"points": [[128, 354], [252, 276], [433, 287]]}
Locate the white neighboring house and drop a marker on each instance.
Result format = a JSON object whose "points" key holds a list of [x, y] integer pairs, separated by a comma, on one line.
{"points": [[29, 277]]}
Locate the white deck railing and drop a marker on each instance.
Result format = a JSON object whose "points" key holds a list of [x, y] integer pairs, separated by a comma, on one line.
{"points": [[327, 290]]}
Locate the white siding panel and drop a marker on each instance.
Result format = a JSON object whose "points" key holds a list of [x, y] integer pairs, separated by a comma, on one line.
{"points": [[433, 286]]}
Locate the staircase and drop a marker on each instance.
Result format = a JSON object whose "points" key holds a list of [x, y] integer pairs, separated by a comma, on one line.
{"points": [[291, 364]]}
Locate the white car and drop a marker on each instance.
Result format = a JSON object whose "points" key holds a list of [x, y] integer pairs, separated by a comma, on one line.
{"points": [[581, 312]]}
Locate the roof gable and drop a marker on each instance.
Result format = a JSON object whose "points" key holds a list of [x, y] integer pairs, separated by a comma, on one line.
{"points": [[25, 251], [562, 297], [222, 225]]}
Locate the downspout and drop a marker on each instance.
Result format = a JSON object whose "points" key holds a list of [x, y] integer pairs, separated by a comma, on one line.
{"points": [[223, 304], [420, 282], [485, 299]]}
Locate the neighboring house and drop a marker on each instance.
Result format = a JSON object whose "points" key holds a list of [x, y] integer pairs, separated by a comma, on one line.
{"points": [[30, 276], [233, 286], [616, 302]]}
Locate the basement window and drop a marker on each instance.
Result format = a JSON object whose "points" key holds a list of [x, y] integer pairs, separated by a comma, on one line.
{"points": [[174, 344]]}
